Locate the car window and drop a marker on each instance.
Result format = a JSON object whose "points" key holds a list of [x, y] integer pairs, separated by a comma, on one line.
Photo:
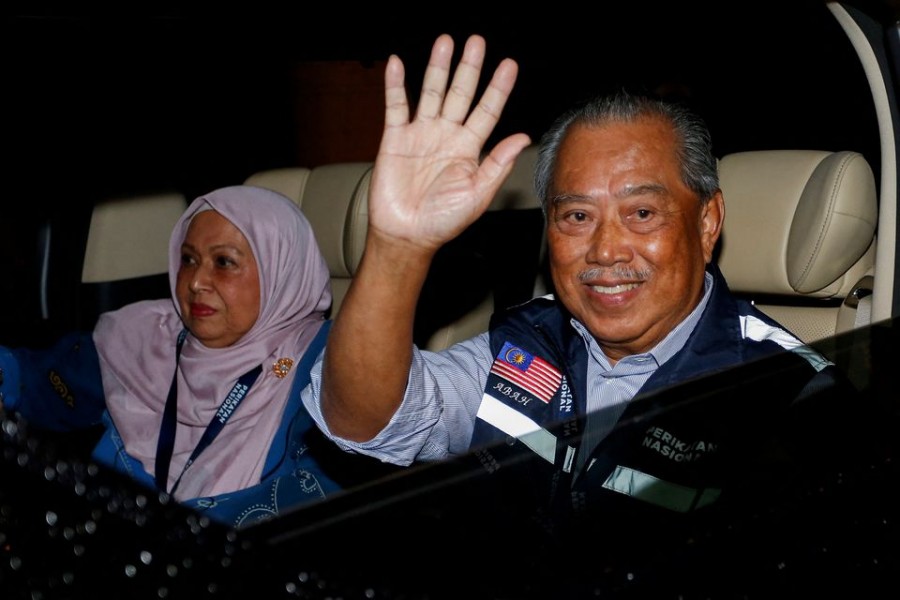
{"points": [[816, 494]]}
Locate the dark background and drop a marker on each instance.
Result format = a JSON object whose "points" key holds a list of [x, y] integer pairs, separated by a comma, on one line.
{"points": [[197, 100]]}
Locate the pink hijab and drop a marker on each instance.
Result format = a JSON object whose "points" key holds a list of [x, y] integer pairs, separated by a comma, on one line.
{"points": [[136, 345]]}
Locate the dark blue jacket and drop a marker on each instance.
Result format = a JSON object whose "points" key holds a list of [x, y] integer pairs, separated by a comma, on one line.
{"points": [[671, 453]]}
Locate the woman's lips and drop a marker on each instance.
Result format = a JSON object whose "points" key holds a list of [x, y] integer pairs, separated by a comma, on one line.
{"points": [[201, 310]]}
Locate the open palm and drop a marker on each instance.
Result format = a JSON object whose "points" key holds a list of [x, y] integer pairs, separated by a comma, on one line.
{"points": [[430, 181]]}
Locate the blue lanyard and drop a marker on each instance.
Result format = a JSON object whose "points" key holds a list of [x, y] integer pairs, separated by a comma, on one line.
{"points": [[166, 442]]}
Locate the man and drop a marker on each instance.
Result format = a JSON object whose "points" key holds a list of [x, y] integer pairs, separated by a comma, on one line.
{"points": [[633, 213]]}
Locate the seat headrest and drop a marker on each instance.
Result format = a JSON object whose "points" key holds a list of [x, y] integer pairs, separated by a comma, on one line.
{"points": [[333, 199], [334, 191], [129, 237], [795, 220], [288, 181]]}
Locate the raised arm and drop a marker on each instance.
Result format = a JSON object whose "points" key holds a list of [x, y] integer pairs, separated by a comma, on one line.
{"points": [[428, 185]]}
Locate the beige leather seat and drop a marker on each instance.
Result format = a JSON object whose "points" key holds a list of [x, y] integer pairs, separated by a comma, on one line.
{"points": [[798, 239], [125, 258], [799, 236], [334, 199], [129, 237]]}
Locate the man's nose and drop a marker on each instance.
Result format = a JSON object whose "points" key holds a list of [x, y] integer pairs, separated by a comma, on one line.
{"points": [[609, 244]]}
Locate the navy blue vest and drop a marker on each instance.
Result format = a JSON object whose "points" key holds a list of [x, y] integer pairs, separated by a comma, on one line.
{"points": [[675, 451]]}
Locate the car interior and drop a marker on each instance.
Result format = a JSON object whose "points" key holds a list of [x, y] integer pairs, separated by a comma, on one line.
{"points": [[810, 237], [799, 240]]}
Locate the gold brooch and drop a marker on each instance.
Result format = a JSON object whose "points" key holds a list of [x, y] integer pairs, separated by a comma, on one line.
{"points": [[282, 367]]}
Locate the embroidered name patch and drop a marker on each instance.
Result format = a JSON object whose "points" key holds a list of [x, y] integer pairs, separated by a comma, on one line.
{"points": [[61, 388], [532, 373]]}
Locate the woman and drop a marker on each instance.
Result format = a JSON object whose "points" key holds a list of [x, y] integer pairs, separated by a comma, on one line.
{"points": [[200, 394]]}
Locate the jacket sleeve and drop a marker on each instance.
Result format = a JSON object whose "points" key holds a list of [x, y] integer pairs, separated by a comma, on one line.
{"points": [[56, 388]]}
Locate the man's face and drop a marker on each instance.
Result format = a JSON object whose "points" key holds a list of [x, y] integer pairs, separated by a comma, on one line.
{"points": [[628, 241]]}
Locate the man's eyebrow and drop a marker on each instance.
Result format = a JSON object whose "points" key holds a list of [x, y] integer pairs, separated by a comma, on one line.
{"points": [[567, 198], [640, 189], [627, 191]]}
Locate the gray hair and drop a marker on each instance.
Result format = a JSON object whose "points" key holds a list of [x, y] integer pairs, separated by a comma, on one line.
{"points": [[699, 170]]}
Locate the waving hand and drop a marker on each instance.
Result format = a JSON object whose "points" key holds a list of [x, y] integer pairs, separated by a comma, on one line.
{"points": [[429, 184], [429, 181]]}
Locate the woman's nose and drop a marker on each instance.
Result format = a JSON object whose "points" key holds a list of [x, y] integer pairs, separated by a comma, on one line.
{"points": [[200, 279]]}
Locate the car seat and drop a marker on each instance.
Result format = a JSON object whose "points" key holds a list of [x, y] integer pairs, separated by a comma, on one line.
{"points": [[798, 238], [126, 257], [93, 261], [333, 199]]}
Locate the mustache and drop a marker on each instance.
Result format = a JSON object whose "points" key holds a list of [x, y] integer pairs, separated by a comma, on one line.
{"points": [[614, 273]]}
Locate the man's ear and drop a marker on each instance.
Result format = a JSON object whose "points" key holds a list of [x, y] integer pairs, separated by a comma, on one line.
{"points": [[712, 216]]}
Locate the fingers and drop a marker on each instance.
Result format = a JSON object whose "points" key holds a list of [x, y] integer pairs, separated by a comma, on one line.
{"points": [[487, 113], [497, 165], [465, 81], [436, 76], [504, 155], [453, 104], [396, 105]]}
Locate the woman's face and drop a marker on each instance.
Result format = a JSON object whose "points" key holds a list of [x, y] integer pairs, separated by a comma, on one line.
{"points": [[218, 283]]}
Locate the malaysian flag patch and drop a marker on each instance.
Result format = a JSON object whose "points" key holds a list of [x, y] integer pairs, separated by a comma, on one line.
{"points": [[531, 373]]}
